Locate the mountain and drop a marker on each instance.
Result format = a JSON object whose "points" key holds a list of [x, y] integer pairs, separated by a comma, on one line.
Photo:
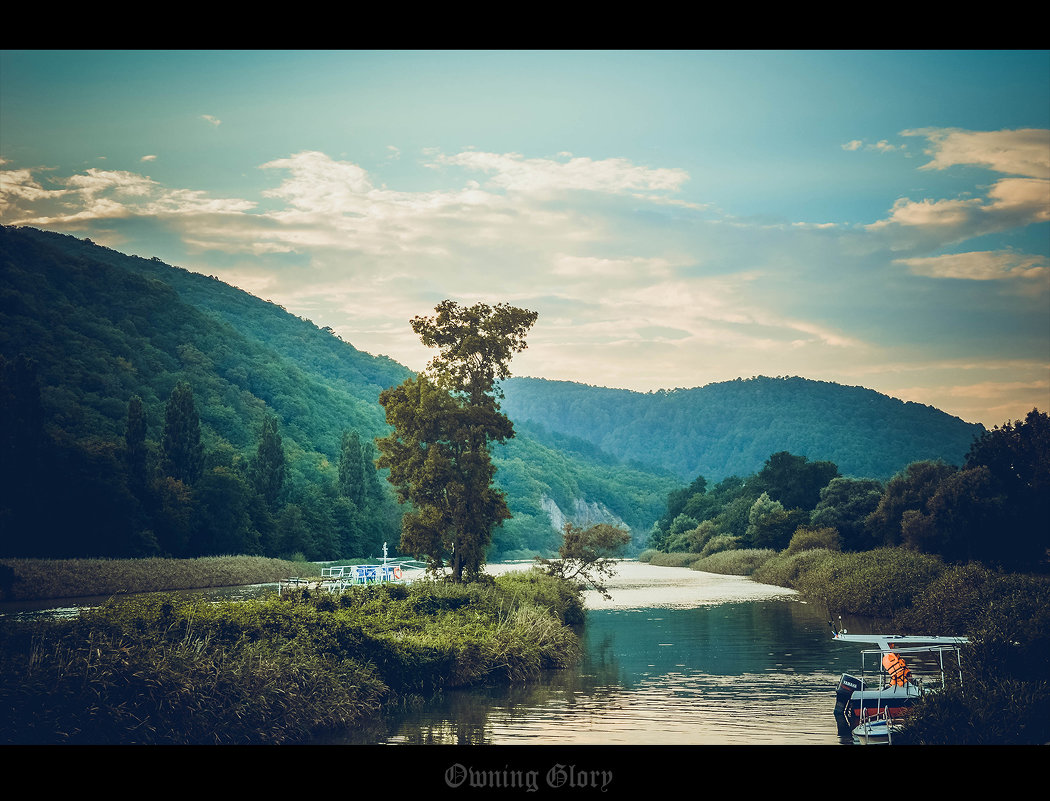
{"points": [[731, 428], [103, 327]]}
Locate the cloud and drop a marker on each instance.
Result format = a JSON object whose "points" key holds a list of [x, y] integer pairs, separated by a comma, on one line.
{"points": [[1009, 203], [514, 172], [981, 266], [881, 146], [97, 194], [1024, 152], [209, 118], [1012, 202], [148, 158]]}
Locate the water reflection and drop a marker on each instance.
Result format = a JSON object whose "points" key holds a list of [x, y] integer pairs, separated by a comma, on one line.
{"points": [[678, 657]]}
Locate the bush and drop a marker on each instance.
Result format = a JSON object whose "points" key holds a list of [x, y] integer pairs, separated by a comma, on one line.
{"points": [[719, 543], [805, 538], [674, 559], [740, 562]]}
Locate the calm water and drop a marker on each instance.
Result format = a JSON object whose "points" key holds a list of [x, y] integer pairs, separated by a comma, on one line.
{"points": [[677, 657]]}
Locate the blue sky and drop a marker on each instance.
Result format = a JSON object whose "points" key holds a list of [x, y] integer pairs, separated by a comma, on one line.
{"points": [[676, 218]]}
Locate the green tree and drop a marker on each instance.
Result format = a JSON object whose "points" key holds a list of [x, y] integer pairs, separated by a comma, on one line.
{"points": [[845, 504], [588, 555], [183, 450], [444, 420], [268, 468], [1017, 456], [909, 490], [135, 452], [352, 469], [794, 480], [770, 525]]}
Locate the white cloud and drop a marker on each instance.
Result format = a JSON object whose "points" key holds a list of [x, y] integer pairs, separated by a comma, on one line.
{"points": [[981, 266], [210, 119], [1023, 152], [514, 172], [148, 158], [1008, 203]]}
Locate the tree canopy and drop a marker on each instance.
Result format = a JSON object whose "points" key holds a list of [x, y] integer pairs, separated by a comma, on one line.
{"points": [[443, 420]]}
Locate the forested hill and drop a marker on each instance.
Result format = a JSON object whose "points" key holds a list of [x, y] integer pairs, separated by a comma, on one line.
{"points": [[102, 328], [731, 428]]}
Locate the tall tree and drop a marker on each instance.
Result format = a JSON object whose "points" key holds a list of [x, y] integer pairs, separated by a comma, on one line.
{"points": [[444, 420], [135, 453], [352, 469], [183, 450], [268, 468]]}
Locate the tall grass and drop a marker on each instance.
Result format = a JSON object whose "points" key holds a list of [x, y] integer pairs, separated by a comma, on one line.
{"points": [[740, 562], [38, 579], [179, 669]]}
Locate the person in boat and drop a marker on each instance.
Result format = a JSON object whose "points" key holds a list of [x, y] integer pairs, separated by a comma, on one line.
{"points": [[895, 665]]}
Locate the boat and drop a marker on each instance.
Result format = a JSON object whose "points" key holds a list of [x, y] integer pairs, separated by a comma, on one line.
{"points": [[872, 712], [337, 578]]}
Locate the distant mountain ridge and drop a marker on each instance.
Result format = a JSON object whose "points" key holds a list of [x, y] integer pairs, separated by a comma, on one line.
{"points": [[731, 428], [104, 326]]}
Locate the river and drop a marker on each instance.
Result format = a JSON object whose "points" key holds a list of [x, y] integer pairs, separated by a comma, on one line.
{"points": [[677, 657]]}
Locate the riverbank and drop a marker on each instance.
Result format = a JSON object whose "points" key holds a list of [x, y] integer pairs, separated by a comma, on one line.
{"points": [[180, 670], [1005, 695]]}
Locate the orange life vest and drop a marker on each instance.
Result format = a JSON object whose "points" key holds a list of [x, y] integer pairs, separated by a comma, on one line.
{"points": [[896, 667]]}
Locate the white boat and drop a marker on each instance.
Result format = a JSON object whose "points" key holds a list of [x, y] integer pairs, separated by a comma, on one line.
{"points": [[873, 712]]}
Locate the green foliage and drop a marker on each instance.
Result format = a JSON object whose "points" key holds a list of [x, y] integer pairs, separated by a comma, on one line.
{"points": [[730, 428], [183, 449], [1017, 458], [794, 481], [909, 490], [33, 579], [735, 562], [672, 559], [588, 555], [845, 504], [770, 525], [806, 538], [268, 468], [175, 669]]}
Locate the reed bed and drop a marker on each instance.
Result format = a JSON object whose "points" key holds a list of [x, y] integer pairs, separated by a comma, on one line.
{"points": [[739, 562], [672, 559], [182, 670], [39, 579]]}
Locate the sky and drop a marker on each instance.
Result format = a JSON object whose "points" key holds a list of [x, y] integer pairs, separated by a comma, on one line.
{"points": [[676, 218]]}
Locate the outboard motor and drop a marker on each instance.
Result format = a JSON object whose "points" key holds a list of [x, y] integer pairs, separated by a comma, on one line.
{"points": [[847, 686]]}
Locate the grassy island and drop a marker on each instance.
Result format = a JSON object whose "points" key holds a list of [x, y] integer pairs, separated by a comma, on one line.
{"points": [[178, 669]]}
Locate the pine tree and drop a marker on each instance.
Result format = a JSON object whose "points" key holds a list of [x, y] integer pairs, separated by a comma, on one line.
{"points": [[183, 450], [135, 455]]}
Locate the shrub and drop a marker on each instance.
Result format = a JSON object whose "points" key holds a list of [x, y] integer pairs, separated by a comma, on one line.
{"points": [[674, 559], [740, 562], [719, 543], [805, 538]]}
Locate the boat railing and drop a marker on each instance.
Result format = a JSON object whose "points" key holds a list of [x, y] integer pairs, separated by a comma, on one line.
{"points": [[336, 578], [939, 650]]}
